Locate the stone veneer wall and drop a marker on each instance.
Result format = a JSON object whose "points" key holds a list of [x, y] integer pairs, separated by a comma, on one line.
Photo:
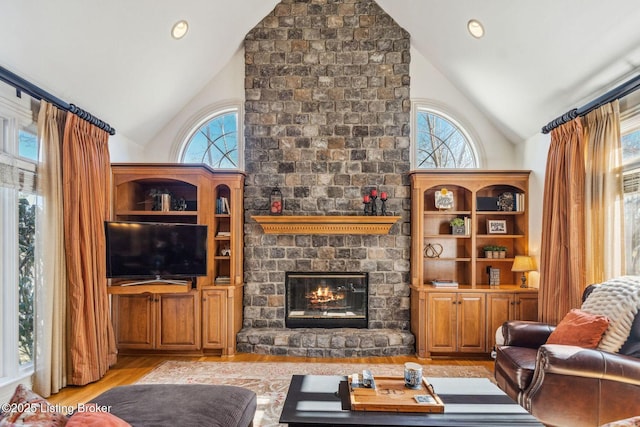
{"points": [[327, 116]]}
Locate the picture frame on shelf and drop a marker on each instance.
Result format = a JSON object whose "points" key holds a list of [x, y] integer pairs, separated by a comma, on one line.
{"points": [[494, 276], [444, 199], [496, 226]]}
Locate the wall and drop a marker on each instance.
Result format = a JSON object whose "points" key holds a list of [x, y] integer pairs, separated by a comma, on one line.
{"points": [[429, 85], [225, 88], [532, 154], [122, 149]]}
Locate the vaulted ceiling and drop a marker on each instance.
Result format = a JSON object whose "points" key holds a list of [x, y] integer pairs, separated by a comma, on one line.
{"points": [[117, 60]]}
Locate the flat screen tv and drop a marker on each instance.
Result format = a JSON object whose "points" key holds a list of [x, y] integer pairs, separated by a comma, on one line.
{"points": [[158, 251]]}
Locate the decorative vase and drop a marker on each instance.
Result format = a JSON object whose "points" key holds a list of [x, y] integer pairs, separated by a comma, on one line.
{"points": [[165, 202]]}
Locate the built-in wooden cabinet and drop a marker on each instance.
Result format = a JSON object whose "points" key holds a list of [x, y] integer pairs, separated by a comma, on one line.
{"points": [[465, 319], [204, 315], [456, 322], [493, 207], [516, 305], [148, 321]]}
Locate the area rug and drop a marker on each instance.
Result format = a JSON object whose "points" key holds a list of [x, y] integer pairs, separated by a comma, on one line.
{"points": [[270, 380]]}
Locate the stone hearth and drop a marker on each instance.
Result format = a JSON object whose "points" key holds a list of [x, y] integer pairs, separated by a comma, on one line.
{"points": [[327, 116], [345, 342]]}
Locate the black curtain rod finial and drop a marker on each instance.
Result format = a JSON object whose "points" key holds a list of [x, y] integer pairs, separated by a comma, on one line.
{"points": [[566, 117]]}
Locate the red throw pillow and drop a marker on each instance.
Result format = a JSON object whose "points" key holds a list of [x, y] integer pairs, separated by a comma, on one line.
{"points": [[579, 328]]}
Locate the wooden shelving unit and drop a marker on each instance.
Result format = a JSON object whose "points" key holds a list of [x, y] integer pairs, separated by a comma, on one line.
{"points": [[202, 317], [463, 319]]}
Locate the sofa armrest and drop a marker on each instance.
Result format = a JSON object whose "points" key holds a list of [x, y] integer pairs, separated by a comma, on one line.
{"points": [[526, 334], [589, 363], [580, 386]]}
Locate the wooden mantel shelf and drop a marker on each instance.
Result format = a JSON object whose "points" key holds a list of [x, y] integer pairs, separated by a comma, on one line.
{"points": [[301, 224]]}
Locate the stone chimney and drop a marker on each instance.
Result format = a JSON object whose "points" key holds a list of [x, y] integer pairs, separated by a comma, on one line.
{"points": [[327, 116]]}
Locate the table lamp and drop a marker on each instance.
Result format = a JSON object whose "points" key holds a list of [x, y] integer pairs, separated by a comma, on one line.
{"points": [[523, 263]]}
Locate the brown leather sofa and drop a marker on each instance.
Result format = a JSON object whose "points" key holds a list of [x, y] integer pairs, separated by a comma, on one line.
{"points": [[565, 385]]}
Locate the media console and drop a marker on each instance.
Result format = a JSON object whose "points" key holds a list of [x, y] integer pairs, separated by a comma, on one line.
{"points": [[197, 315]]}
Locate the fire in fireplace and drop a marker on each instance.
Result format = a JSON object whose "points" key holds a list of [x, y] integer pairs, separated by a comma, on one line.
{"points": [[326, 300]]}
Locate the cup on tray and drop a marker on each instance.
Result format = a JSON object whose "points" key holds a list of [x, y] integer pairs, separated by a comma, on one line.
{"points": [[412, 375]]}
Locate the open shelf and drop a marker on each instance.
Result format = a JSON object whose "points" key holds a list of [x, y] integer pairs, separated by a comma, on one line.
{"points": [[467, 192]]}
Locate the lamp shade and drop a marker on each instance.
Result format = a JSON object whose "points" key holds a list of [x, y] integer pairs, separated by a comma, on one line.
{"points": [[523, 263]]}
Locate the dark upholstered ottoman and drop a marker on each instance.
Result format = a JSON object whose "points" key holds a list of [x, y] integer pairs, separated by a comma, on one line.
{"points": [[181, 405]]}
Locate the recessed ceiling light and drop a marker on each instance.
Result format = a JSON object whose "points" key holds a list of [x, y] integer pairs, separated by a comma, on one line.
{"points": [[179, 29], [475, 28]]}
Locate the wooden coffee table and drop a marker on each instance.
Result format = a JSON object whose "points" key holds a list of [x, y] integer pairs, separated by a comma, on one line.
{"points": [[322, 400]]}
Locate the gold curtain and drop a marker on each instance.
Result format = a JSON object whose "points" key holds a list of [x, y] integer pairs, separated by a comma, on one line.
{"points": [[51, 281], [562, 252], [86, 184], [604, 195]]}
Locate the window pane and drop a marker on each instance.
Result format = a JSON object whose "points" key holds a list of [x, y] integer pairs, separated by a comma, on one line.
{"points": [[631, 146], [26, 239], [632, 221], [215, 143], [441, 143], [27, 145]]}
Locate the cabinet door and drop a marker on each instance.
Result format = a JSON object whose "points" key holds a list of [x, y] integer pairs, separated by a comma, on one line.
{"points": [[134, 321], [178, 321], [441, 317], [214, 318], [471, 322], [500, 308], [527, 306]]}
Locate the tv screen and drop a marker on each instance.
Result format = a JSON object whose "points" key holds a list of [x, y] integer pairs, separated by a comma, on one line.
{"points": [[155, 250]]}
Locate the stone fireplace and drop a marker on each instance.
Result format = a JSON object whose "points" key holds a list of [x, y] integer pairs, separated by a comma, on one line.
{"points": [[326, 300], [327, 113]]}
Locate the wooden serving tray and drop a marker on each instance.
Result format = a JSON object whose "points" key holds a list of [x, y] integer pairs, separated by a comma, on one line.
{"points": [[391, 395]]}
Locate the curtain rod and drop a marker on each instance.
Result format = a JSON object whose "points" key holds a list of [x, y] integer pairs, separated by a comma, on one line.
{"points": [[616, 93], [34, 91]]}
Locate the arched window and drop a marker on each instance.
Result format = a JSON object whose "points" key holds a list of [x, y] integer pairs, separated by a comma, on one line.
{"points": [[215, 141], [440, 142]]}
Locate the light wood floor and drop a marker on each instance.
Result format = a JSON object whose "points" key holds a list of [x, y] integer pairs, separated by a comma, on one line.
{"points": [[129, 369]]}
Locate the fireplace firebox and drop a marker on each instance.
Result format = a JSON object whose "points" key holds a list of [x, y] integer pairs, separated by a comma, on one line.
{"points": [[326, 300]]}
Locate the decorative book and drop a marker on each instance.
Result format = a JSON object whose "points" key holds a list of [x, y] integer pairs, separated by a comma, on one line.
{"points": [[444, 283]]}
